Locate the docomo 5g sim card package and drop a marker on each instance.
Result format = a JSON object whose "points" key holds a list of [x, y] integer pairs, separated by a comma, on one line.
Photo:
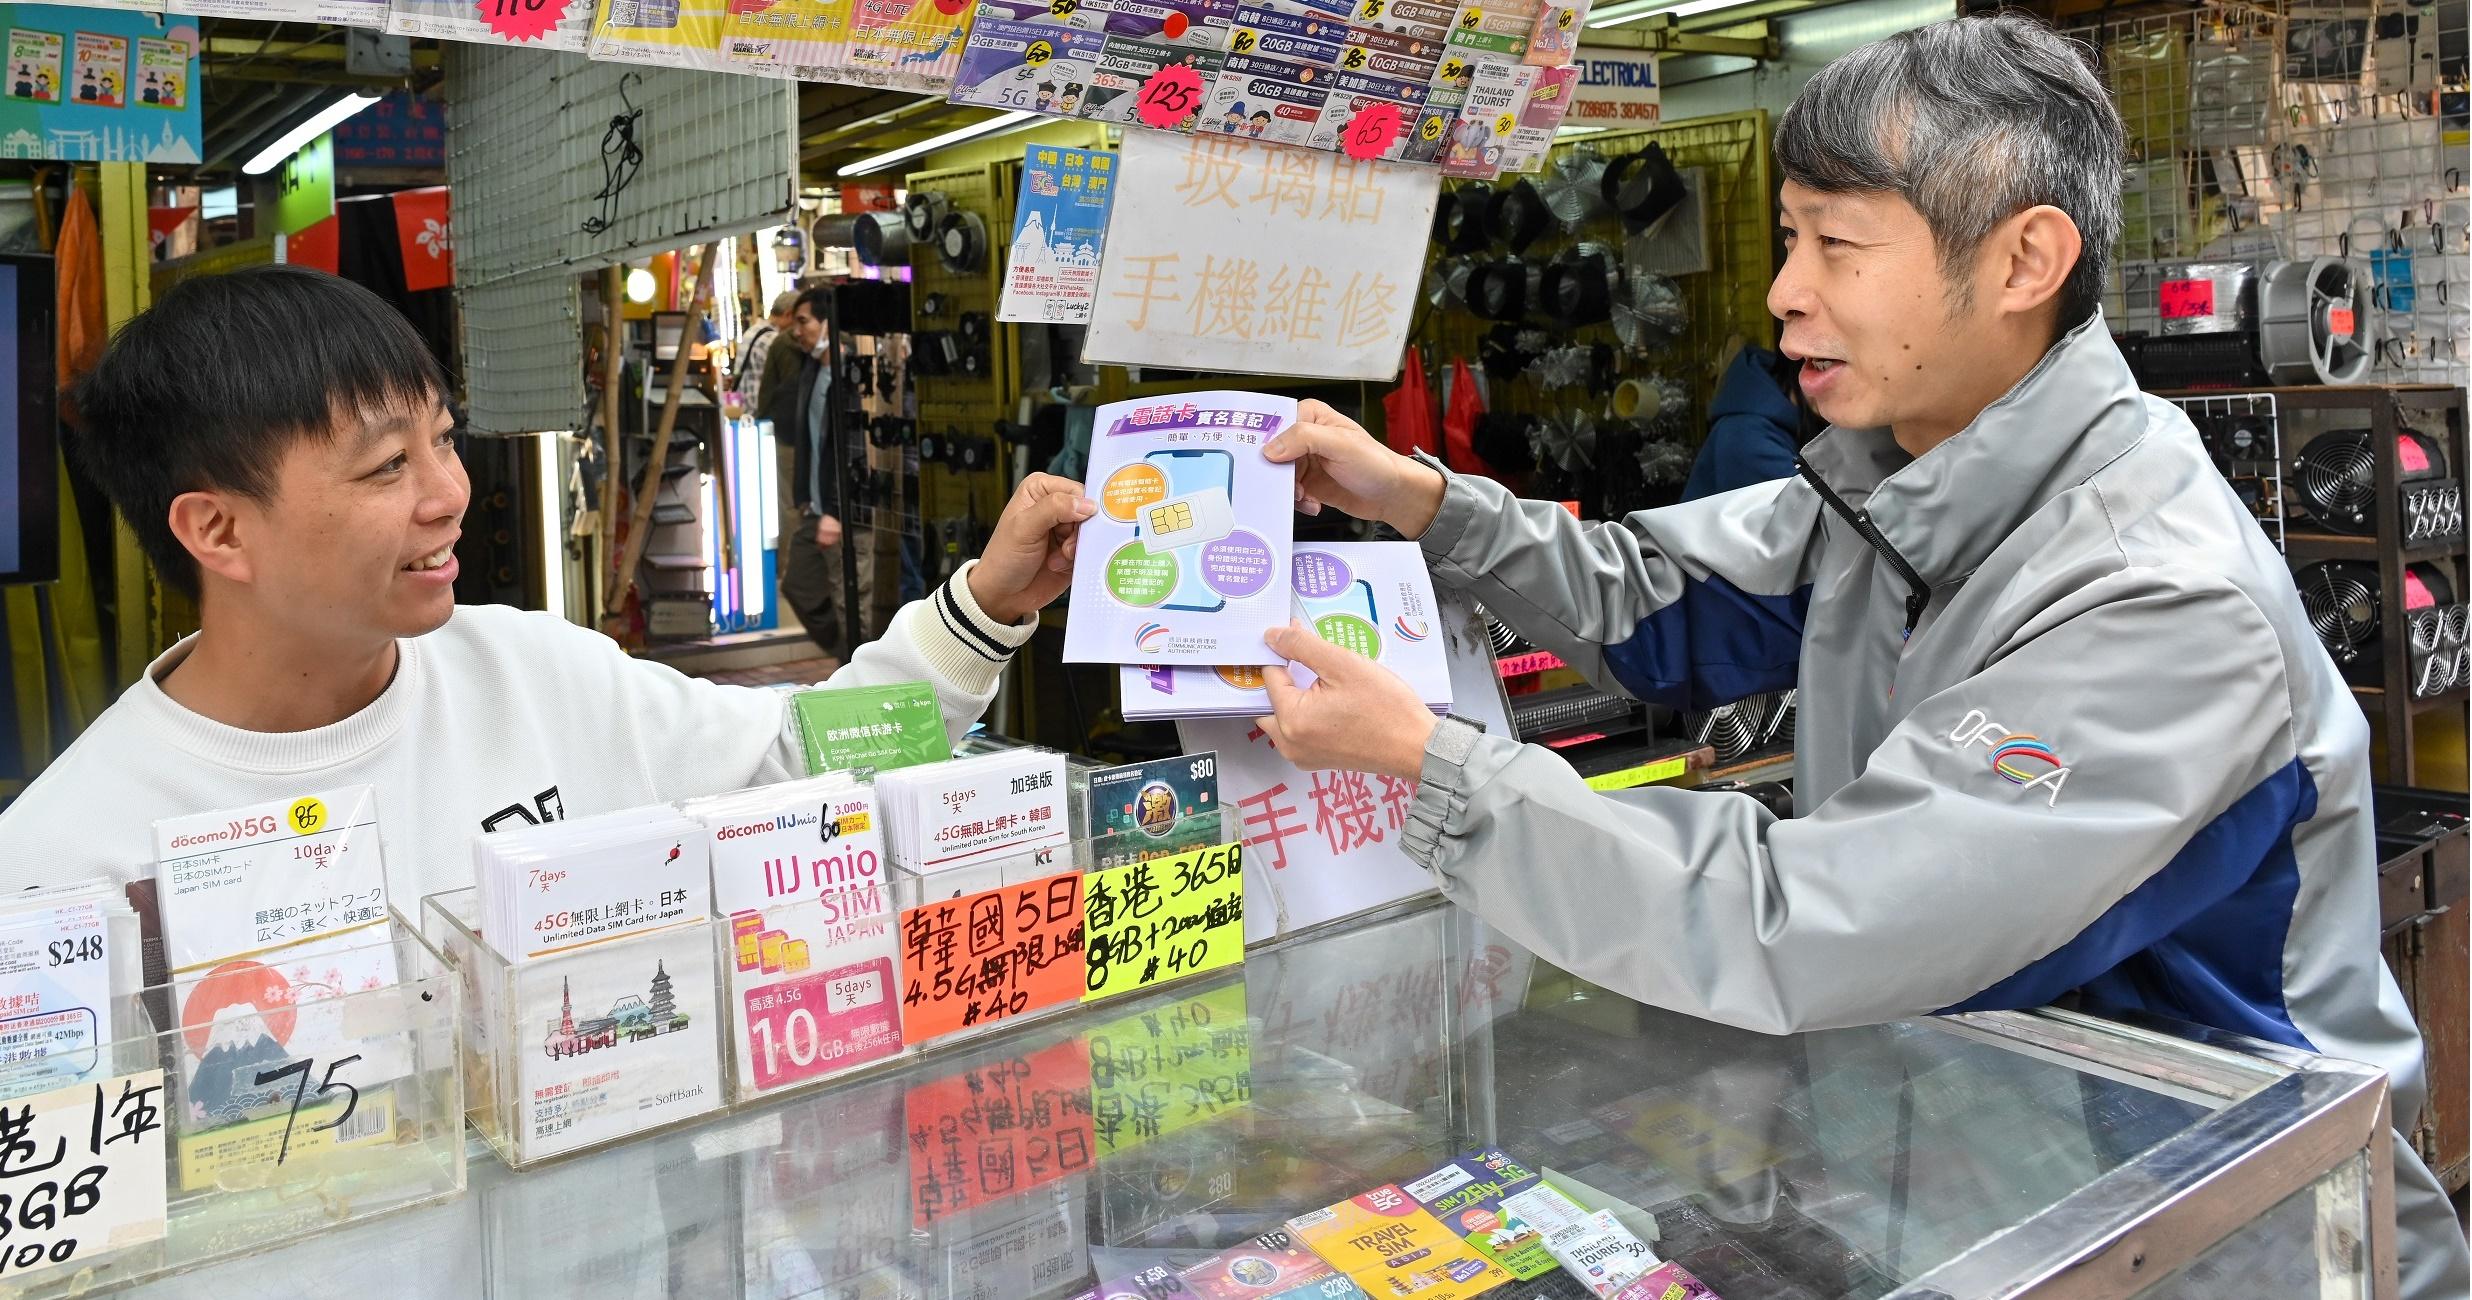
{"points": [[1186, 561]]}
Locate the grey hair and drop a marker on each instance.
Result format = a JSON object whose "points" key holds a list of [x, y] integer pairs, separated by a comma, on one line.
{"points": [[783, 302], [1971, 120]]}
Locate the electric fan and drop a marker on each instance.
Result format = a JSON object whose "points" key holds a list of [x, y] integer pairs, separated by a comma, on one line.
{"points": [[1648, 311], [1573, 187], [2337, 476], [2341, 599]]}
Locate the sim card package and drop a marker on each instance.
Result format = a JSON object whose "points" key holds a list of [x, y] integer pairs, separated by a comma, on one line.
{"points": [[1187, 559]]}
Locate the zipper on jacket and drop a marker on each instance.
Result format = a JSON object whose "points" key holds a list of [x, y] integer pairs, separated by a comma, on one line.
{"points": [[1918, 592]]}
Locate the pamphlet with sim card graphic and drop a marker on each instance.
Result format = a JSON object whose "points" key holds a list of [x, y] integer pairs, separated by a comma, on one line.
{"points": [[1186, 561], [1375, 598]]}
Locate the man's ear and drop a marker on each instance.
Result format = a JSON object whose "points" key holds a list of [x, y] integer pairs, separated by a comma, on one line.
{"points": [[209, 525], [2030, 256]]}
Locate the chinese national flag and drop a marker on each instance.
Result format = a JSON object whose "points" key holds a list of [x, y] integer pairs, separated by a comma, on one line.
{"points": [[320, 246], [428, 241]]}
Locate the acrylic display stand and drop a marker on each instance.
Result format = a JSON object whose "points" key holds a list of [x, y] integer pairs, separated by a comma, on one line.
{"points": [[287, 1110], [616, 1003]]}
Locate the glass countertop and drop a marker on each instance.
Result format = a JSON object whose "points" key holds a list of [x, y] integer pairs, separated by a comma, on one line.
{"points": [[1823, 1166]]}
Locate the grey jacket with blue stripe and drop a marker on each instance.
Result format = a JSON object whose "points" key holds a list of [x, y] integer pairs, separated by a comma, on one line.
{"points": [[2110, 759]]}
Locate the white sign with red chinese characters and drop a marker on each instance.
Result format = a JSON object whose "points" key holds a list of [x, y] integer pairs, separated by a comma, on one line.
{"points": [[1231, 256], [81, 1173], [1323, 845]]}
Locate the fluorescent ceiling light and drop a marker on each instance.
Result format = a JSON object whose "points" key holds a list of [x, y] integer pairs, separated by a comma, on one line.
{"points": [[908, 151], [1687, 9], [325, 120]]}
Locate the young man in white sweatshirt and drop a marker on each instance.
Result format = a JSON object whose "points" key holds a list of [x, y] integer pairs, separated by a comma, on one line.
{"points": [[282, 444]]}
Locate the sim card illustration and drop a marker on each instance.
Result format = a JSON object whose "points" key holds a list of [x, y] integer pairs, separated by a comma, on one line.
{"points": [[1204, 516]]}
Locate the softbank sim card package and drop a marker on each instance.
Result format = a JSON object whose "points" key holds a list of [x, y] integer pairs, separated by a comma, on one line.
{"points": [[1186, 561]]}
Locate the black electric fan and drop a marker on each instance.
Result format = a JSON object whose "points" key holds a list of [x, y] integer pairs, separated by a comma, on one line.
{"points": [[2337, 476], [2341, 599]]}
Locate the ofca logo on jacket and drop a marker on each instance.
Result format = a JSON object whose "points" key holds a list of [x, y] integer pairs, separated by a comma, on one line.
{"points": [[2020, 757]]}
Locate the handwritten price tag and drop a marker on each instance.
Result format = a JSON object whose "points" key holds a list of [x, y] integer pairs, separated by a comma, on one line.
{"points": [[1170, 96], [521, 20], [1163, 919], [2182, 299], [1375, 126]]}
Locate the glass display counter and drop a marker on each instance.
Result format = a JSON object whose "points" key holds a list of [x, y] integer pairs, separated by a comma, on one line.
{"points": [[2040, 1154]]}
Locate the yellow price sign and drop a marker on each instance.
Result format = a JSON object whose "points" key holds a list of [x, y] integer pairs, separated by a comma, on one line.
{"points": [[1038, 53], [1564, 18], [307, 816], [1430, 128], [1504, 123], [1353, 59], [1453, 70], [1063, 8], [1369, 10], [1244, 42], [1470, 19]]}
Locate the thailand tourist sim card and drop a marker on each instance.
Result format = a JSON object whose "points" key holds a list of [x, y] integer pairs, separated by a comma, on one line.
{"points": [[1190, 520]]}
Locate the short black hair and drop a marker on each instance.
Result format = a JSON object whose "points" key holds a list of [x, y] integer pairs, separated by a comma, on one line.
{"points": [[208, 388], [816, 301]]}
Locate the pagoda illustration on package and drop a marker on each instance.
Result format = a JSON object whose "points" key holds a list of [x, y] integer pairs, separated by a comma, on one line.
{"points": [[613, 1039], [1186, 560]]}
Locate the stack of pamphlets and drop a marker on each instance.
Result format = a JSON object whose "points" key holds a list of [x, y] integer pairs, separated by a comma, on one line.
{"points": [[561, 885], [69, 960], [604, 925], [863, 730], [1375, 598], [273, 915], [974, 811], [1186, 559], [798, 876]]}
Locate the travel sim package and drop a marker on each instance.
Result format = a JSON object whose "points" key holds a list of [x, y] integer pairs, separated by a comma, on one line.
{"points": [[1186, 560], [274, 914], [611, 980], [798, 876]]}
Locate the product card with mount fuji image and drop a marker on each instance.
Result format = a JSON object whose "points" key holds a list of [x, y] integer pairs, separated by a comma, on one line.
{"points": [[1186, 560], [615, 1039], [1375, 598]]}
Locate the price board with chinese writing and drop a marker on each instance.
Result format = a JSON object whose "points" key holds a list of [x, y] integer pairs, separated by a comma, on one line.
{"points": [[1227, 255], [997, 1130], [990, 956], [1167, 1068], [81, 1173], [1163, 919]]}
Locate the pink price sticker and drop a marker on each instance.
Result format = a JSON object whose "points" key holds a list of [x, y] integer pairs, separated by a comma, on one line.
{"points": [[2184, 299], [1371, 132], [521, 20], [1170, 96]]}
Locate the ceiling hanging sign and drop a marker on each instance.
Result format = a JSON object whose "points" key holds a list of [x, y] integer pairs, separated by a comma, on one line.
{"points": [[534, 24], [1617, 88], [305, 187], [94, 85], [664, 33], [1227, 255]]}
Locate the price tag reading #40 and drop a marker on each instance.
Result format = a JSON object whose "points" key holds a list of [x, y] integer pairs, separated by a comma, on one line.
{"points": [[988, 956], [1164, 919]]}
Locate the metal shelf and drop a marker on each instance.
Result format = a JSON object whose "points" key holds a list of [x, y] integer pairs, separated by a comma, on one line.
{"points": [[2339, 546], [2454, 698]]}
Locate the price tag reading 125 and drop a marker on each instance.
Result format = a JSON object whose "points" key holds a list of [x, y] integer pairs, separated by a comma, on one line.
{"points": [[2183, 299], [1170, 96]]}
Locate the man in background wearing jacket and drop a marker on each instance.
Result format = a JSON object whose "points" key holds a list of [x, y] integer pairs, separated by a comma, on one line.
{"points": [[2064, 729]]}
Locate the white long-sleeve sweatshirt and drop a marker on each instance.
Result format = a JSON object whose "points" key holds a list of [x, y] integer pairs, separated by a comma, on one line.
{"points": [[501, 716]]}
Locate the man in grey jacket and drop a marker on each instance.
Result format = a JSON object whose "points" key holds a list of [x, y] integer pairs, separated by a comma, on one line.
{"points": [[2064, 729]]}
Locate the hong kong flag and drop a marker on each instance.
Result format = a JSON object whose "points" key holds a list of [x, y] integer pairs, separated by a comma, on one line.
{"points": [[428, 242]]}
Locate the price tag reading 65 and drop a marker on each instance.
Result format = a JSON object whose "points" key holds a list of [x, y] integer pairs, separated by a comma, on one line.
{"points": [[1170, 96]]}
